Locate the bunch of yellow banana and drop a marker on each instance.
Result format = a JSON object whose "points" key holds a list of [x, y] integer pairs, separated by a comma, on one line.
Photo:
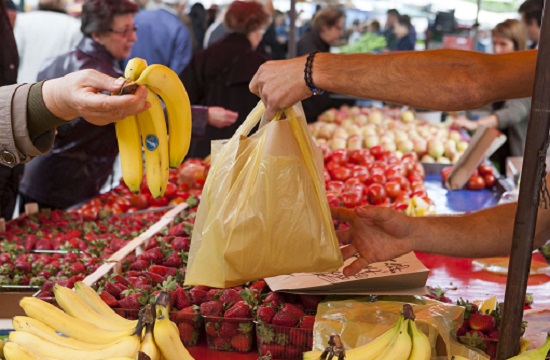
{"points": [[404, 341], [90, 330], [163, 149]]}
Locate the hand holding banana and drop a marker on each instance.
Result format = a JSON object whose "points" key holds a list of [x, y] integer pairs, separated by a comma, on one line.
{"points": [[163, 149]]}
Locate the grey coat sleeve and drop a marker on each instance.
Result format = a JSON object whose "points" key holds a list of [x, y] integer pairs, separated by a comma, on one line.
{"points": [[513, 112], [15, 144]]}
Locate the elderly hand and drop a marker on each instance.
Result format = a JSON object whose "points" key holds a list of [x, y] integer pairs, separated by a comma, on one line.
{"points": [[78, 95], [461, 122], [220, 117], [280, 84], [376, 234]]}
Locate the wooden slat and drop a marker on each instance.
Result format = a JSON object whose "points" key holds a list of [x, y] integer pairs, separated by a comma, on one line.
{"points": [[534, 160]]}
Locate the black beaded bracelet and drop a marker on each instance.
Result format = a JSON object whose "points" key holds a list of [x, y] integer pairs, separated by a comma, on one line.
{"points": [[307, 75]]}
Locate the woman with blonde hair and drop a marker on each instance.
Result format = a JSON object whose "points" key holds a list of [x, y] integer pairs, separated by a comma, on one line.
{"points": [[510, 116]]}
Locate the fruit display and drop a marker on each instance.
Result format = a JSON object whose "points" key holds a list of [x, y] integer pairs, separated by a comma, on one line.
{"points": [[375, 177], [403, 341], [148, 128], [50, 246], [482, 178], [90, 329], [356, 128]]}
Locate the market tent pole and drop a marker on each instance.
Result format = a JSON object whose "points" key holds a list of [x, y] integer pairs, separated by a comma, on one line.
{"points": [[292, 30], [533, 173]]}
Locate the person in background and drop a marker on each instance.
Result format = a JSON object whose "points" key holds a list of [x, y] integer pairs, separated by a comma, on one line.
{"points": [[211, 15], [402, 31], [9, 63], [83, 154], [374, 27], [531, 17], [510, 116], [162, 37], [31, 112], [219, 75], [43, 34], [391, 19], [275, 40], [356, 32], [197, 15], [327, 28], [217, 30]]}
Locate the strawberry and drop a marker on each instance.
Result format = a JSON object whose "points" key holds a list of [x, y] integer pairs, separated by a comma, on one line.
{"points": [[187, 333], [222, 344], [438, 294], [276, 350], [211, 308], [260, 286], [180, 243], [139, 265], [293, 352], [177, 230], [289, 316], [481, 322], [23, 267], [228, 329], [131, 301], [275, 299], [152, 244], [265, 313], [210, 329], [240, 310], [170, 271], [241, 342], [154, 255], [311, 301], [230, 297], [117, 244], [155, 278], [307, 322], [43, 244], [474, 338], [173, 260], [109, 299], [5, 258], [158, 269], [297, 337], [493, 334], [198, 295], [77, 268], [181, 300], [30, 242], [491, 349], [120, 280], [214, 294]]}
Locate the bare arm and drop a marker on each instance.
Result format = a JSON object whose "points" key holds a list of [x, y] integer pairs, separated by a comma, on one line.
{"points": [[380, 234], [438, 79]]}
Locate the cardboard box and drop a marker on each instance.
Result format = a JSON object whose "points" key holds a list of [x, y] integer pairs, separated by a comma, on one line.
{"points": [[9, 303]]}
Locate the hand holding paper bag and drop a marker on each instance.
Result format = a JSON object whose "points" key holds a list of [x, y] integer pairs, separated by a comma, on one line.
{"points": [[263, 210]]}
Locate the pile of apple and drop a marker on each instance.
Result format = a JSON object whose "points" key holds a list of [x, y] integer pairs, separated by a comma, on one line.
{"points": [[482, 178], [355, 128]]}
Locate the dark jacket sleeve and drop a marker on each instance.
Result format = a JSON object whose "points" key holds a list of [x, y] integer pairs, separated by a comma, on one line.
{"points": [[190, 77]]}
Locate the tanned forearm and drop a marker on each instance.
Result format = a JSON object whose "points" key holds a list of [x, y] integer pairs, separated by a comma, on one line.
{"points": [[447, 80], [482, 233]]}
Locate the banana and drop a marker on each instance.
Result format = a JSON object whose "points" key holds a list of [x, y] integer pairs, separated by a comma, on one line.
{"points": [[73, 305], [421, 347], [134, 68], [90, 297], [155, 142], [167, 336], [535, 354], [148, 345], [13, 351], [166, 83], [128, 136], [38, 328], [368, 351], [126, 347], [400, 347], [129, 148], [67, 325]]}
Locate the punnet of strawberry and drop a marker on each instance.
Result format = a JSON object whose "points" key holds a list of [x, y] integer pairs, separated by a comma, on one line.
{"points": [[480, 330]]}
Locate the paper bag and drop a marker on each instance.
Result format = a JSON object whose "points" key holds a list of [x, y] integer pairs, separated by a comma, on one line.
{"points": [[263, 210]]}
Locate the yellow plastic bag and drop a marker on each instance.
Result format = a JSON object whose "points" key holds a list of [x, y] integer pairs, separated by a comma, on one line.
{"points": [[263, 210]]}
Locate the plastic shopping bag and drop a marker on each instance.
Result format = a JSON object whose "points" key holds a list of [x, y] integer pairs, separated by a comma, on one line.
{"points": [[263, 210]]}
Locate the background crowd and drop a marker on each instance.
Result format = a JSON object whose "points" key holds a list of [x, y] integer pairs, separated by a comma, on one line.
{"points": [[216, 51]]}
